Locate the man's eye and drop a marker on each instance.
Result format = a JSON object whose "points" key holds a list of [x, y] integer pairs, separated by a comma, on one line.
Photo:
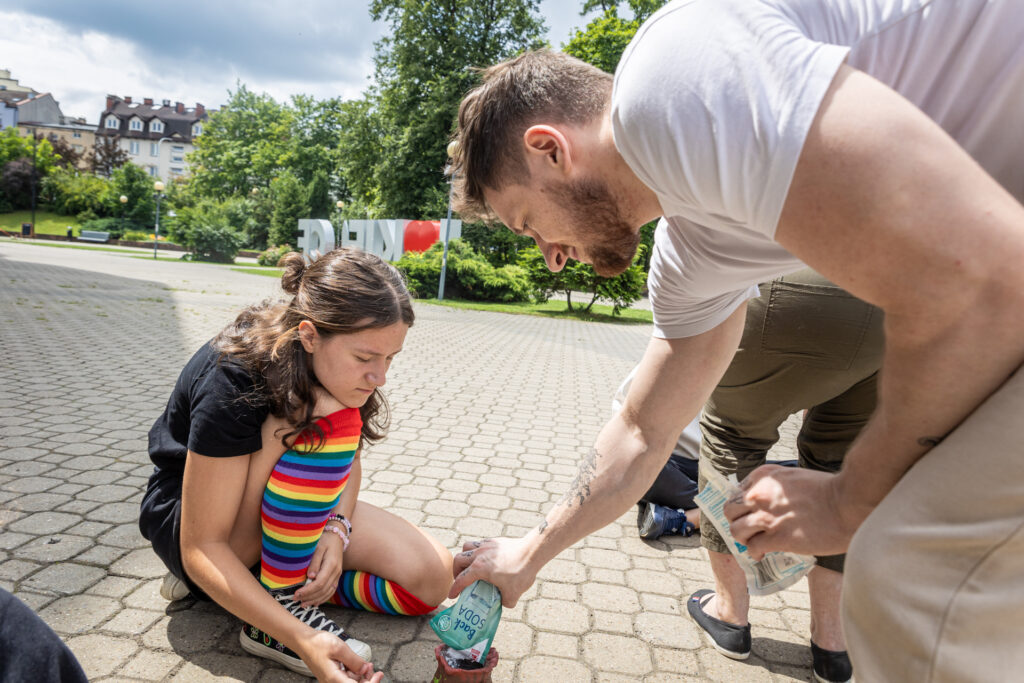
{"points": [[363, 360]]}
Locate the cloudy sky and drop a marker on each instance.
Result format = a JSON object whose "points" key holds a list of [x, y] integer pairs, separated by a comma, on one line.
{"points": [[195, 50]]}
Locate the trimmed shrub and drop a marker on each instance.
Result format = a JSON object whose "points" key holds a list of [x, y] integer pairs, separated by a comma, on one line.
{"points": [[469, 275], [271, 255], [213, 242], [135, 236]]}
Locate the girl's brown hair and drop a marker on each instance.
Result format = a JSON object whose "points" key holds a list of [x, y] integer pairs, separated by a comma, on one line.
{"points": [[344, 291]]}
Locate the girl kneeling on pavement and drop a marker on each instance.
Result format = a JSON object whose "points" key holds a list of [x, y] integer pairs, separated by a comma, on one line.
{"points": [[253, 502]]}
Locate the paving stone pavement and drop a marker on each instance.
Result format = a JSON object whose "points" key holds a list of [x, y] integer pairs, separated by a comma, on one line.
{"points": [[491, 413]]}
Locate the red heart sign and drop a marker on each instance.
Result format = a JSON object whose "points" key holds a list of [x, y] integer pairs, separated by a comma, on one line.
{"points": [[419, 235]]}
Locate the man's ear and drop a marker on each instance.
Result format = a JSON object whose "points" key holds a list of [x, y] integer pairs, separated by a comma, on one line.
{"points": [[548, 147], [308, 335]]}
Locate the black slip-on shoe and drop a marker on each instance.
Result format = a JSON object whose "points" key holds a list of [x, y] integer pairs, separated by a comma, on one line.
{"points": [[731, 640], [831, 666]]}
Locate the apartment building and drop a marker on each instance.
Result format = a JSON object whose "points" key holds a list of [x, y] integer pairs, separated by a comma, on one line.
{"points": [[157, 137]]}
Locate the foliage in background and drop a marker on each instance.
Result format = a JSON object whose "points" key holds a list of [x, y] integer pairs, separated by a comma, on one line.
{"points": [[107, 155], [271, 255], [134, 183], [394, 160], [212, 230], [468, 275], [70, 192], [213, 241], [620, 291], [497, 244], [17, 168], [289, 206], [602, 43]]}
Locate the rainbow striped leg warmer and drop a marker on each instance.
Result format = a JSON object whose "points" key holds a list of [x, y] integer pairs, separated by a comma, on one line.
{"points": [[303, 489], [361, 590]]}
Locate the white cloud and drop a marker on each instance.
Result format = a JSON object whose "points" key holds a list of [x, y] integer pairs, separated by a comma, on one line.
{"points": [[322, 48]]}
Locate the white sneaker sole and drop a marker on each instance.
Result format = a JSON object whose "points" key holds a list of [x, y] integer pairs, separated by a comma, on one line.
{"points": [[293, 663], [172, 588]]}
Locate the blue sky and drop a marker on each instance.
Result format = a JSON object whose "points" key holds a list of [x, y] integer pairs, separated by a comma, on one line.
{"points": [[195, 50]]}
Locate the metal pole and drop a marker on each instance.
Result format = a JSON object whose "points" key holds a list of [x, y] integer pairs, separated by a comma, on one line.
{"points": [[444, 256], [35, 156], [156, 234]]}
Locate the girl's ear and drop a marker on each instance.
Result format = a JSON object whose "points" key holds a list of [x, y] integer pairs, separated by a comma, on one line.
{"points": [[308, 336]]}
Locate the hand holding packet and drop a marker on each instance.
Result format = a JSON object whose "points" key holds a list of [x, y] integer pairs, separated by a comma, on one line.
{"points": [[773, 572], [468, 626]]}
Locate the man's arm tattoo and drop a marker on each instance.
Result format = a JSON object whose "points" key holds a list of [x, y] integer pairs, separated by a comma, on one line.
{"points": [[543, 526], [580, 488]]}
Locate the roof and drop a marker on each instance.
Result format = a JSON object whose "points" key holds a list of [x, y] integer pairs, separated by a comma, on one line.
{"points": [[177, 124]]}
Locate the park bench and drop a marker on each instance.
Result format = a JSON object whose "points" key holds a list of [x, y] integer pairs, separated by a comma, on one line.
{"points": [[94, 236]]}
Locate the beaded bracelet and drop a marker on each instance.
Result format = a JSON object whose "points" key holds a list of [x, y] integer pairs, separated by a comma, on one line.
{"points": [[340, 534], [341, 518]]}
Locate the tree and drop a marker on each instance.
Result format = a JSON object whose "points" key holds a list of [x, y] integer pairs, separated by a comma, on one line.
{"points": [[423, 69], [289, 207], [16, 182], [621, 291], [23, 162], [244, 145], [498, 245], [318, 200], [68, 157], [134, 183], [107, 155], [605, 38], [69, 192]]}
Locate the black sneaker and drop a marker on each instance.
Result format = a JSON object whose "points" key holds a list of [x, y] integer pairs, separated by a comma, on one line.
{"points": [[731, 640], [831, 666], [257, 642]]}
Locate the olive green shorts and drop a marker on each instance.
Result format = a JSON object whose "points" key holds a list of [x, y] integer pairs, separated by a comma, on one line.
{"points": [[807, 345]]}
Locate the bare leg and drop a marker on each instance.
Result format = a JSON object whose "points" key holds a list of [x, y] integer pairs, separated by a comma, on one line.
{"points": [[826, 591], [388, 546], [731, 602]]}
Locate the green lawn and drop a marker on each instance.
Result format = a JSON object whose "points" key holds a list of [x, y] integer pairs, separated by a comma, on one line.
{"points": [[47, 222], [552, 309], [268, 271]]}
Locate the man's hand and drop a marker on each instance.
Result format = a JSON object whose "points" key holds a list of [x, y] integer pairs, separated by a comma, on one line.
{"points": [[331, 660], [500, 561], [790, 509], [324, 571]]}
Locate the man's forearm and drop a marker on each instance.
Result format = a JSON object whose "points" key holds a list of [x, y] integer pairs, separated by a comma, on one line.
{"points": [[613, 476]]}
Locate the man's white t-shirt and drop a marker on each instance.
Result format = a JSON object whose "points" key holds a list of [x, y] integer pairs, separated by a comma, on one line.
{"points": [[713, 99]]}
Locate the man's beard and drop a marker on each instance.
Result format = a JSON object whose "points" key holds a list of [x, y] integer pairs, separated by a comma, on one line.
{"points": [[611, 241]]}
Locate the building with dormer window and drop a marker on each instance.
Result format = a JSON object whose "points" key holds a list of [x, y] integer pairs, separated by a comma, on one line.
{"points": [[157, 137]]}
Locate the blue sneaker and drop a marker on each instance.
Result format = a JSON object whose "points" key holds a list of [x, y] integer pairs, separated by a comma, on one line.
{"points": [[655, 521]]}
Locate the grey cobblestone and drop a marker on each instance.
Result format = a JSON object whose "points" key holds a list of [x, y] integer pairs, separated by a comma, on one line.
{"points": [[491, 414]]}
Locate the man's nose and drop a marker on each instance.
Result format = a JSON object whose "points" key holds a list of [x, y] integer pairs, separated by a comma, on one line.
{"points": [[554, 257]]}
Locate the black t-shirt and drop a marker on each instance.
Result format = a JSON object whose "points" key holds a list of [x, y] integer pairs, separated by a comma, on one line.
{"points": [[212, 411]]}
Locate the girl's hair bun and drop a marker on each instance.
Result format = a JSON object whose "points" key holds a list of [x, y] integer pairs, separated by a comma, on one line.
{"points": [[294, 266]]}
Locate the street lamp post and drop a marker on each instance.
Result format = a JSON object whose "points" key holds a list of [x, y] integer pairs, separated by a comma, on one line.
{"points": [[453, 147], [124, 206], [35, 156], [158, 194]]}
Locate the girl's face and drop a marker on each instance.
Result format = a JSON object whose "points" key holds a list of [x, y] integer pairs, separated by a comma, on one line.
{"points": [[351, 366]]}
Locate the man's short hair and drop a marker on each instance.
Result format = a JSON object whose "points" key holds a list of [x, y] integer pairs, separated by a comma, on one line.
{"points": [[536, 87]]}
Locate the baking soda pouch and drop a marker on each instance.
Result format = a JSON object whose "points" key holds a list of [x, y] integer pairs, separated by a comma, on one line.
{"points": [[468, 626], [773, 572]]}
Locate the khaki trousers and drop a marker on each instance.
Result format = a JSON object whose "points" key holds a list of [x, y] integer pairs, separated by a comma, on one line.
{"points": [[934, 583]]}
